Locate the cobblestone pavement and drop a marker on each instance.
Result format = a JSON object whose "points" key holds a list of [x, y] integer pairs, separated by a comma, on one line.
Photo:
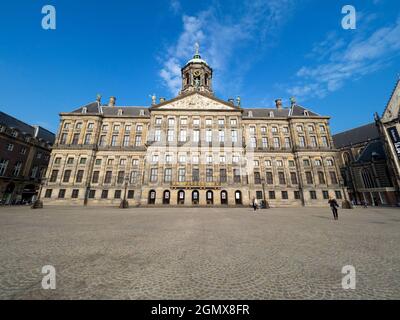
{"points": [[195, 253]]}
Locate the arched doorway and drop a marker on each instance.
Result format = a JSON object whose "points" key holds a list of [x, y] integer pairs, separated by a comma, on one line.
{"points": [[166, 197], [195, 197], [238, 197], [181, 197], [152, 197], [224, 197], [210, 197]]}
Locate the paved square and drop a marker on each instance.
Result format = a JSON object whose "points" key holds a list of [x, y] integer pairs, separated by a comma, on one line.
{"points": [[196, 253]]}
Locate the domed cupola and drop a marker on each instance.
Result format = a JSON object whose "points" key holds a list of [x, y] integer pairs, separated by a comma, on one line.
{"points": [[196, 75]]}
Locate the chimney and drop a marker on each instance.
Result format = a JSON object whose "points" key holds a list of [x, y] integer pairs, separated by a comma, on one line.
{"points": [[112, 102], [278, 104]]}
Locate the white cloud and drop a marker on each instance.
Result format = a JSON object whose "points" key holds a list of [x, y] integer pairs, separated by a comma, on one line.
{"points": [[221, 38], [364, 55], [175, 6]]}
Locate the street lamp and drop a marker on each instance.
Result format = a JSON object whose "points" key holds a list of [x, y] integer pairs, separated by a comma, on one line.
{"points": [[38, 204], [266, 204], [124, 203]]}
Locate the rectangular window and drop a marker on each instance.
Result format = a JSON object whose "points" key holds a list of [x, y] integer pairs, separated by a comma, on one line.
{"points": [[79, 176], [63, 138], [139, 128], [182, 136], [75, 138], [208, 136], [257, 178], [158, 121], [95, 178], [120, 177], [265, 142], [324, 141], [117, 194], [269, 178], [293, 177], [138, 141], [271, 195], [126, 141], [338, 195], [61, 194], [195, 175], [313, 195], [114, 140], [108, 177], [222, 175], [170, 135], [168, 175], [102, 142], [334, 179], [285, 195], [309, 177], [92, 194], [233, 122], [48, 193], [209, 175], [287, 143], [196, 122], [253, 142], [277, 143], [325, 194], [259, 195], [182, 175], [157, 135], [153, 175], [296, 195], [221, 136], [302, 142], [88, 138], [82, 161], [134, 176], [321, 177], [282, 179], [313, 142], [67, 175], [196, 136], [75, 193], [54, 175], [234, 136], [131, 194], [104, 194], [171, 122], [236, 175]]}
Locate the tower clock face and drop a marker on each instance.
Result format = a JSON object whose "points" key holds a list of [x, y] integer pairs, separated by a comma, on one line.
{"points": [[197, 73]]}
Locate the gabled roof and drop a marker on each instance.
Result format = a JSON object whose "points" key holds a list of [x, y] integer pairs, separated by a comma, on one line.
{"points": [[392, 108], [265, 112], [126, 111], [299, 111], [355, 136]]}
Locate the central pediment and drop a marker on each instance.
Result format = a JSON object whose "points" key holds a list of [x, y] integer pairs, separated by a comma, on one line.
{"points": [[195, 101]]}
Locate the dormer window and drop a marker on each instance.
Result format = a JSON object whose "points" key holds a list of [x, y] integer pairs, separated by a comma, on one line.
{"points": [[84, 110], [271, 114], [306, 114], [250, 114], [120, 112], [141, 113]]}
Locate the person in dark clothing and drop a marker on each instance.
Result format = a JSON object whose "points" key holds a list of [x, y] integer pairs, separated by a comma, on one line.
{"points": [[254, 204], [334, 207]]}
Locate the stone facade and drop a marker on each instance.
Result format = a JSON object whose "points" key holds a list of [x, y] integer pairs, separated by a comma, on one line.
{"points": [[194, 149], [24, 155]]}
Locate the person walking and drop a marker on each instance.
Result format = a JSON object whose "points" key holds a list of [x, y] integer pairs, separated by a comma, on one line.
{"points": [[334, 207], [254, 204]]}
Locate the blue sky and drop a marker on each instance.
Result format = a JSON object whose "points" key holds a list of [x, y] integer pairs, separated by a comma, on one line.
{"points": [[260, 50]]}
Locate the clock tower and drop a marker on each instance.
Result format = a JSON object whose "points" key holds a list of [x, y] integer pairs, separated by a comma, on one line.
{"points": [[196, 75]]}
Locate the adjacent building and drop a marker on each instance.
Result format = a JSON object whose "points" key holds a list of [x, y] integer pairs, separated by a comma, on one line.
{"points": [[24, 156], [193, 150], [369, 158]]}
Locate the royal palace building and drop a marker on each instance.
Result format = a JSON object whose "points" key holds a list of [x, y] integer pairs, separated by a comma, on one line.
{"points": [[193, 150]]}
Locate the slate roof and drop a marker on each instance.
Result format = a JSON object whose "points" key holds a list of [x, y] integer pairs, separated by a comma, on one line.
{"points": [[355, 136], [374, 148], [24, 128]]}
